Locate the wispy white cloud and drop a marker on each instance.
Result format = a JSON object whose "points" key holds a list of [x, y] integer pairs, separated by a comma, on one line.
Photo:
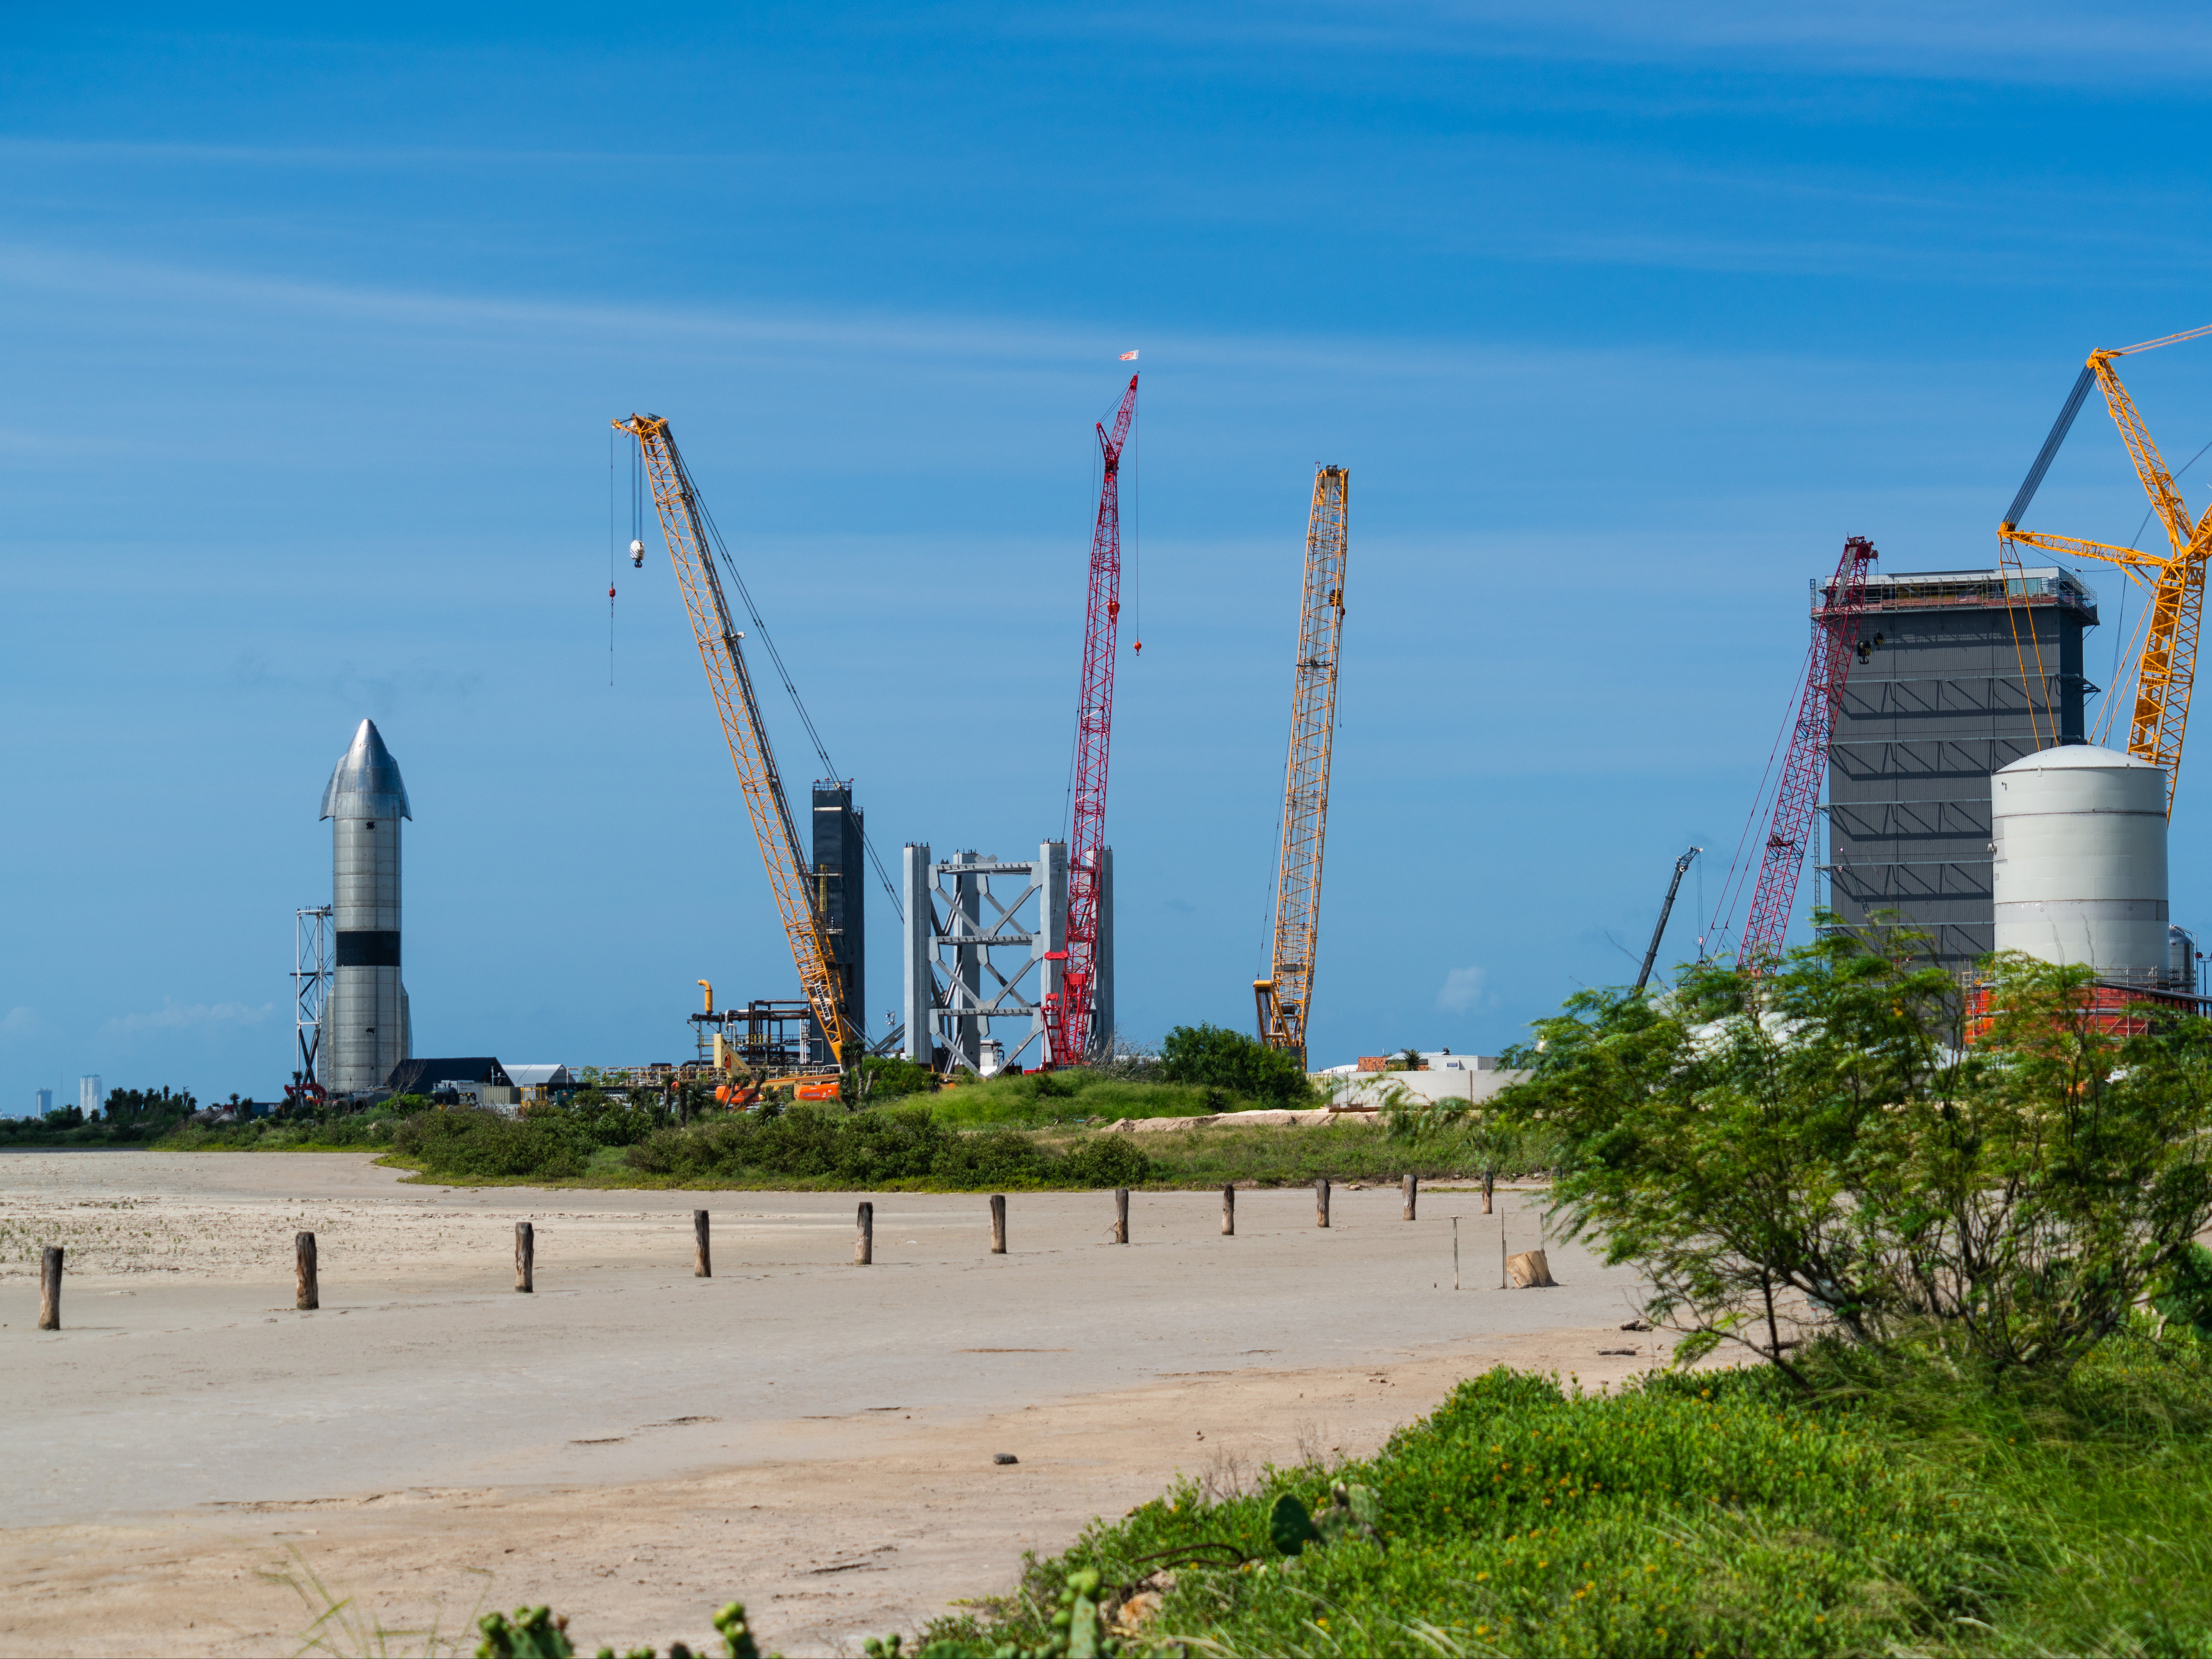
{"points": [[977, 343], [22, 1022], [1462, 989], [174, 1015], [2056, 42]]}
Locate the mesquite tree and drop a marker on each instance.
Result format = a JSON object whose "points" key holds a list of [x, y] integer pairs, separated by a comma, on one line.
{"points": [[1817, 1152]]}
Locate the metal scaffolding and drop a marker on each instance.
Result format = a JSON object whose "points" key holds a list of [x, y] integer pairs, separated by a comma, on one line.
{"points": [[311, 981], [987, 939]]}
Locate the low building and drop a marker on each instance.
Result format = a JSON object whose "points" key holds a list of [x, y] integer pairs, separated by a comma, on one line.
{"points": [[540, 1082], [1442, 1075], [475, 1079]]}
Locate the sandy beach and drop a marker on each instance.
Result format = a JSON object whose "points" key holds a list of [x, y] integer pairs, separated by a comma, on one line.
{"points": [[635, 1445]]}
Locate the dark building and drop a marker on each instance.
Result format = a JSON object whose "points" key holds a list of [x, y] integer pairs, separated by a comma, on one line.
{"points": [[1937, 700], [420, 1077], [841, 889]]}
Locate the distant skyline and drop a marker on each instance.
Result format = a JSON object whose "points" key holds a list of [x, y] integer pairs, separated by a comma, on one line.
{"points": [[1622, 319]]}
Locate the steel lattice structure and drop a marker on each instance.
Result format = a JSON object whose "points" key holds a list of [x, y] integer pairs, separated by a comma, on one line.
{"points": [[311, 984], [2166, 666], [683, 523], [1790, 829], [1067, 1014], [1285, 998]]}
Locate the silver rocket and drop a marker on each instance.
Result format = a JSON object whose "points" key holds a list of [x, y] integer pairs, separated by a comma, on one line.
{"points": [[365, 1025]]}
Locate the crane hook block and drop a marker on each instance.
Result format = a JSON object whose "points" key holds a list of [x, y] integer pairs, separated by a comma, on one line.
{"points": [[637, 556]]}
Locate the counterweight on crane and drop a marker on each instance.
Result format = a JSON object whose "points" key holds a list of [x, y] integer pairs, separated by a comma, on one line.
{"points": [[1286, 996], [1789, 828], [690, 551], [1067, 1010], [2165, 668]]}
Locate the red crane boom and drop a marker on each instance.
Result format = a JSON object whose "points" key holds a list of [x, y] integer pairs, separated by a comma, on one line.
{"points": [[1790, 830], [1067, 1010]]}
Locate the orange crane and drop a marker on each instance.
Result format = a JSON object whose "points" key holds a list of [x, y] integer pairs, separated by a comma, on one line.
{"points": [[1285, 999], [2166, 664], [685, 526]]}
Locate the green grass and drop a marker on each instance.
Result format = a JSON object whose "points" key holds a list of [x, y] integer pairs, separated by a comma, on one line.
{"points": [[872, 1151], [909, 1147], [1717, 1513], [1014, 1134], [1076, 1096], [338, 1134], [1219, 1154]]}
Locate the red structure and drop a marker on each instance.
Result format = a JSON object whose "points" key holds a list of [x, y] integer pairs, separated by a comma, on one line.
{"points": [[2117, 1010], [1067, 1010], [1790, 830]]}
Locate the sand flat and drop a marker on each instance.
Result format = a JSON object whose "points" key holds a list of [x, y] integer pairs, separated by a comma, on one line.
{"points": [[634, 1445]]}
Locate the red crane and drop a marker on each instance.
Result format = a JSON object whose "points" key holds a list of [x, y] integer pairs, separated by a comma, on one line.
{"points": [[1790, 830], [1067, 1010]]}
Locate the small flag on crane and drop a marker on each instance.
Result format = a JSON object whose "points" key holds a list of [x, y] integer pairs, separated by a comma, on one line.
{"points": [[1128, 357]]}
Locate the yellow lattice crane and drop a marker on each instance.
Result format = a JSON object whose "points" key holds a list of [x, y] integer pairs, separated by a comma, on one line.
{"points": [[2166, 665], [690, 551], [1285, 998]]}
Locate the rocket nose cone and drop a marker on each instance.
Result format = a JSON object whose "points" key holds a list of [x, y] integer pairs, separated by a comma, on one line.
{"points": [[366, 782]]}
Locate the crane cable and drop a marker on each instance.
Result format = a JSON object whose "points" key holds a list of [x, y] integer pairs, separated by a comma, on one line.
{"points": [[1733, 884], [821, 752]]}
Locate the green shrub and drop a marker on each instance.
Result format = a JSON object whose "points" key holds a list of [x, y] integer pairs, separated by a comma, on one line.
{"points": [[1821, 1136], [1218, 1058], [891, 1077], [1712, 1513], [878, 1147], [472, 1144], [1105, 1161], [2185, 1293], [1077, 1094]]}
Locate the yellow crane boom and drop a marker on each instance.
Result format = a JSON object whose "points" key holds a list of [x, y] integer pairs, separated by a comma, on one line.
{"points": [[1285, 998], [2165, 668], [683, 525]]}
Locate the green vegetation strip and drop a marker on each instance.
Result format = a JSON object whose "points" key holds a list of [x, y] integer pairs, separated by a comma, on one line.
{"points": [[1886, 1511]]}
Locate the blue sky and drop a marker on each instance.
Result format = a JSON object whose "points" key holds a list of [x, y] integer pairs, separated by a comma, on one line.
{"points": [[1622, 318]]}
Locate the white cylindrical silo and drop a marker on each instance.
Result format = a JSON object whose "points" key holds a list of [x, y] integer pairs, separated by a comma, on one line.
{"points": [[2079, 845]]}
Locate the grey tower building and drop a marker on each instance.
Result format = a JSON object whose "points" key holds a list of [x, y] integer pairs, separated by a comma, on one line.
{"points": [[365, 1025], [841, 889], [1936, 702]]}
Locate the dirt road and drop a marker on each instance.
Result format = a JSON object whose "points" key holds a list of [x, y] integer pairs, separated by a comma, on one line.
{"points": [[635, 1445]]}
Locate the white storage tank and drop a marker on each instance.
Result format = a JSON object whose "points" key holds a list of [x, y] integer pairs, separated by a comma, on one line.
{"points": [[2079, 876]]}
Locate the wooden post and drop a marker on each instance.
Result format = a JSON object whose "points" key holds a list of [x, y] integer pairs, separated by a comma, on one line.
{"points": [[997, 1223], [1454, 1253], [1503, 1283], [1229, 1211], [309, 1294], [49, 1289], [525, 1254], [863, 1237], [1412, 1195], [703, 1264], [1321, 1201], [1489, 1181], [1120, 1215]]}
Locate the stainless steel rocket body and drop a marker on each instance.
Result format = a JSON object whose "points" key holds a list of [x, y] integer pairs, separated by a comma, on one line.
{"points": [[365, 1018]]}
